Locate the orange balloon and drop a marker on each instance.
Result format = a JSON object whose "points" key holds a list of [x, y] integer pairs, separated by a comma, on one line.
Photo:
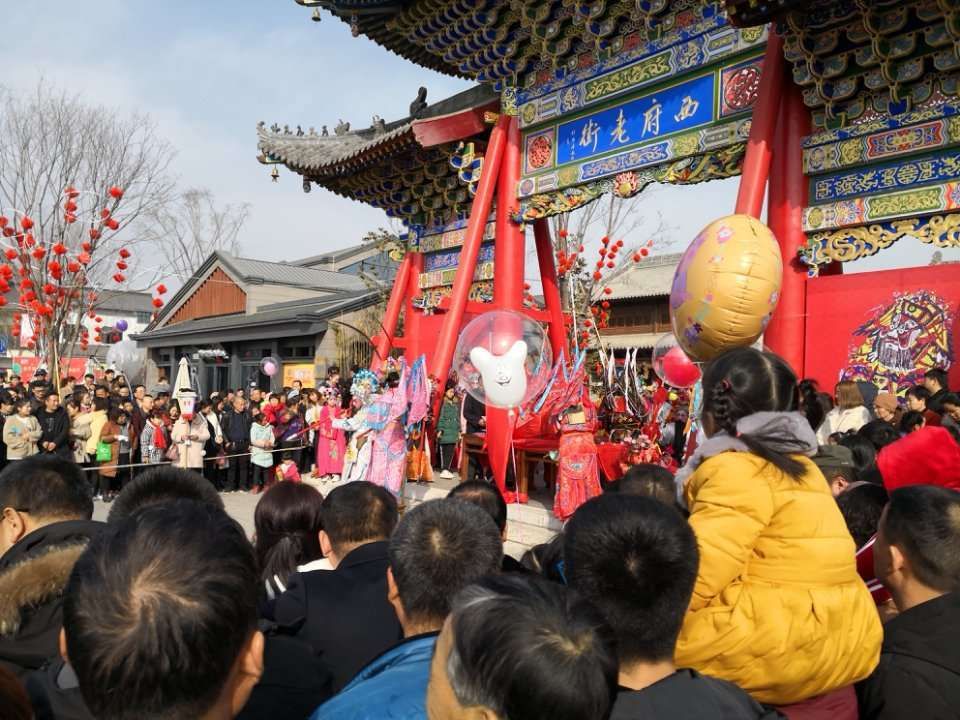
{"points": [[726, 287]]}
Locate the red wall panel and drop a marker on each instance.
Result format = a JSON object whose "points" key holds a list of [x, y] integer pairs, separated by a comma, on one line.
{"points": [[883, 326]]}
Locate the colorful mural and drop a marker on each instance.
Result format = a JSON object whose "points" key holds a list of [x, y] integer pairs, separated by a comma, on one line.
{"points": [[903, 338]]}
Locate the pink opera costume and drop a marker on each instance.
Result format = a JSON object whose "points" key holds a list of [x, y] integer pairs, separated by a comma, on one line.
{"points": [[388, 418], [359, 448], [331, 441]]}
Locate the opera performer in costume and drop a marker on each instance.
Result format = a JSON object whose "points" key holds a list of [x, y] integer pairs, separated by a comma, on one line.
{"points": [[331, 441], [578, 477]]}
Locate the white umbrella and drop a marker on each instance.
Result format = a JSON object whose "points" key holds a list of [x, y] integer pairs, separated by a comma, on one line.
{"points": [[182, 381]]}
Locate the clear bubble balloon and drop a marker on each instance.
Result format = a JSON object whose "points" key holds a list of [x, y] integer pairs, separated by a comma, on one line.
{"points": [[121, 325], [269, 366], [128, 359], [503, 358], [673, 365]]}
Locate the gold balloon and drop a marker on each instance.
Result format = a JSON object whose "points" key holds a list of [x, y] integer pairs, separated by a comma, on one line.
{"points": [[726, 287]]}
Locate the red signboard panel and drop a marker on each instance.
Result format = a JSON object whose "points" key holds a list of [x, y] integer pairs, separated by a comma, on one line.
{"points": [[886, 327]]}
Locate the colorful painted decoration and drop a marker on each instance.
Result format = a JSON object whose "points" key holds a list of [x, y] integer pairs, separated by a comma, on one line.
{"points": [[726, 287], [904, 338]]}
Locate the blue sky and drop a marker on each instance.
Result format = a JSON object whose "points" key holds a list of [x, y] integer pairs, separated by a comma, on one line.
{"points": [[208, 70]]}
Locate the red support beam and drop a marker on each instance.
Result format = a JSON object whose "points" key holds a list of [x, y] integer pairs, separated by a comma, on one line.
{"points": [[412, 318], [479, 213], [508, 250], [392, 316], [786, 333], [557, 329], [756, 163]]}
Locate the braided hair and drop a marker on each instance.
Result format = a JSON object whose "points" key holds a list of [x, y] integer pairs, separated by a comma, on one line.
{"points": [[810, 403], [745, 381]]}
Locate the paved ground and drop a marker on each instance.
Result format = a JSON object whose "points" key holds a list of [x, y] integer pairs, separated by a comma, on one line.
{"points": [[527, 526]]}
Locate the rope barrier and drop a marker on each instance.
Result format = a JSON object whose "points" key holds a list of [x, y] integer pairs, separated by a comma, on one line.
{"points": [[206, 460]]}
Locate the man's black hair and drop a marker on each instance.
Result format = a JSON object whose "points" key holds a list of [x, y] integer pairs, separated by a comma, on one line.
{"points": [[157, 611], [649, 480], [484, 496], [527, 649], [438, 548], [358, 512], [6, 398], [950, 399], [861, 507], [880, 433], [864, 454], [923, 521], [919, 392], [938, 375], [46, 487], [911, 420], [162, 486], [636, 560]]}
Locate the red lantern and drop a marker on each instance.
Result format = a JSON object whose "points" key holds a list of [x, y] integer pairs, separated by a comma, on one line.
{"points": [[53, 266], [69, 218], [588, 323], [49, 289], [562, 234], [605, 240], [83, 258], [597, 276], [28, 238], [73, 266], [637, 257], [98, 319], [161, 289], [94, 235], [105, 213], [644, 252], [119, 277], [607, 291], [59, 249], [38, 253], [11, 254], [71, 192], [3, 301], [605, 304], [124, 253], [157, 303], [26, 222], [116, 193], [611, 264], [111, 223], [121, 265]]}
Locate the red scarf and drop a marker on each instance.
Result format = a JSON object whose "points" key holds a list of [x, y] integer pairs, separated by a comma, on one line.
{"points": [[159, 439]]}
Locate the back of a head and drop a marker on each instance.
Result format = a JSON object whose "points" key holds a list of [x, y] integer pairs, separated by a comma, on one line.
{"points": [[357, 513], [923, 521], [157, 611], [879, 433], [162, 485], [48, 488], [527, 649], [848, 395], [938, 375], [912, 420], [648, 480], [288, 520], [864, 453], [636, 560], [810, 403], [484, 496], [743, 382], [438, 548], [861, 507]]}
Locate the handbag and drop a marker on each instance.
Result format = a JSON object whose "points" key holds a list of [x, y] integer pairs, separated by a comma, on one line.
{"points": [[173, 453], [104, 452]]}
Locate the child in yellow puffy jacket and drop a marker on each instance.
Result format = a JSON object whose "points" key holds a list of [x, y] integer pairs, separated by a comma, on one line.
{"points": [[778, 607]]}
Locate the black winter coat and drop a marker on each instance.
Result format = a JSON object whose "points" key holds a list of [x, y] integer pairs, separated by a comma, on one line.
{"points": [[344, 614], [33, 575], [919, 671], [56, 429], [688, 695]]}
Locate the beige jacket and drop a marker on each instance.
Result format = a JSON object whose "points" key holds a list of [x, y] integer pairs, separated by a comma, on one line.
{"points": [[191, 451], [21, 435]]}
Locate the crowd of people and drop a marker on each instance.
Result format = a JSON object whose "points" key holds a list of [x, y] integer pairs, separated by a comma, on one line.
{"points": [[799, 564], [240, 440]]}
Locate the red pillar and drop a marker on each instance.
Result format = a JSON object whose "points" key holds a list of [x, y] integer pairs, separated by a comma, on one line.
{"points": [[756, 163], [508, 257], [785, 335], [551, 287], [480, 211], [508, 251], [412, 318], [392, 316]]}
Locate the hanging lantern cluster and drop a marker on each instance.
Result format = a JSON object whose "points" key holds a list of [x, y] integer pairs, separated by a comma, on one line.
{"points": [[48, 275]]}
